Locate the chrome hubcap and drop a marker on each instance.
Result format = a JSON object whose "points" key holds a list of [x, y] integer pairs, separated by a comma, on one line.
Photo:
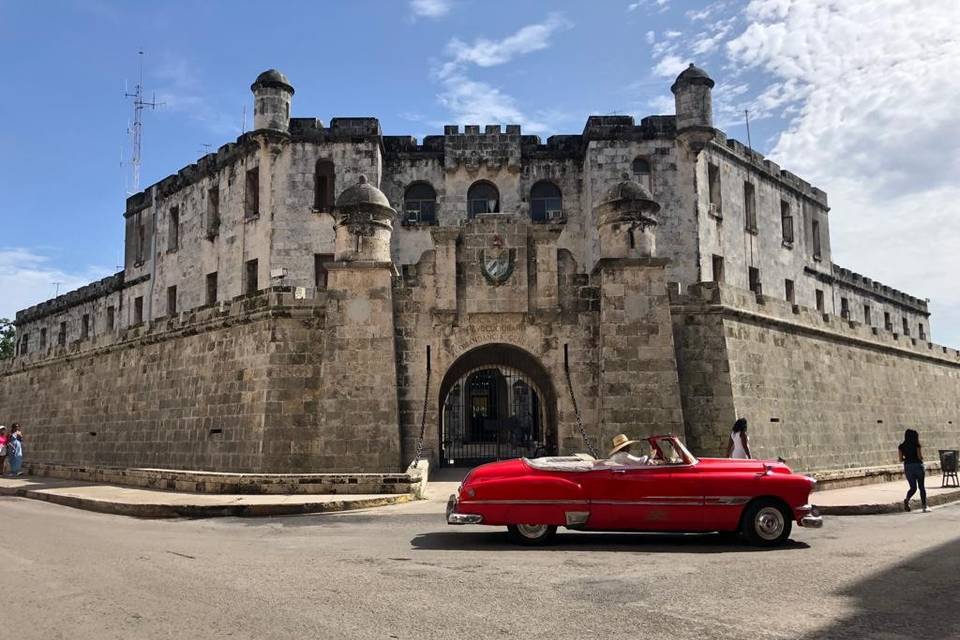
{"points": [[531, 530], [769, 523]]}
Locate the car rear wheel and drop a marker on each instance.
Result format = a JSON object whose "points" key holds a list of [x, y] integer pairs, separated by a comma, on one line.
{"points": [[766, 524], [532, 534]]}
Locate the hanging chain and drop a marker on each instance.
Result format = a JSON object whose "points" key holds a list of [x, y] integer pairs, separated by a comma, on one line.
{"points": [[423, 421], [576, 412]]}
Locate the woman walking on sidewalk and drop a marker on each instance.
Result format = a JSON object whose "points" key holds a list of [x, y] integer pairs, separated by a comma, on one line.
{"points": [[911, 455], [3, 447], [15, 449], [738, 446]]}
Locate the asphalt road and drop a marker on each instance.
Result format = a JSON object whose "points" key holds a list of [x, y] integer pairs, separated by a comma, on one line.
{"points": [[400, 572]]}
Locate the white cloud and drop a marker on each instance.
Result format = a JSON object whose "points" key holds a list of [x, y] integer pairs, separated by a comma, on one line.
{"points": [[871, 102], [488, 53], [181, 90], [430, 8], [669, 66], [476, 102], [659, 5], [27, 277]]}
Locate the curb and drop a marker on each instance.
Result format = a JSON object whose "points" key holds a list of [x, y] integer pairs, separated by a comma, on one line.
{"points": [[204, 511], [892, 507]]}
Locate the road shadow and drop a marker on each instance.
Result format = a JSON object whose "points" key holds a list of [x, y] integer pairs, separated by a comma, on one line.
{"points": [[917, 598], [581, 541]]}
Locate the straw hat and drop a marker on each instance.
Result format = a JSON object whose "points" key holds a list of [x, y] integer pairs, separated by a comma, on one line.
{"points": [[621, 441]]}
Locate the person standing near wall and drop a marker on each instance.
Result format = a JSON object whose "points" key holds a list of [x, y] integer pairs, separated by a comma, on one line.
{"points": [[739, 445], [3, 447], [911, 455], [15, 449]]}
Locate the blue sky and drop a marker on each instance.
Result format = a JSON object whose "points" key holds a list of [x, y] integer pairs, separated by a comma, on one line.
{"points": [[835, 88]]}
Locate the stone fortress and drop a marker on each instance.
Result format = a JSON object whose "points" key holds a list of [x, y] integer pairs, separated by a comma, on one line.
{"points": [[309, 297]]}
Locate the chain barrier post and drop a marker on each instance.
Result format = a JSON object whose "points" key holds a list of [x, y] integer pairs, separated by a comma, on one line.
{"points": [[576, 410], [423, 413]]}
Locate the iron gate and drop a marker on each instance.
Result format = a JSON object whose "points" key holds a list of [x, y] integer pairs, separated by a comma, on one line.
{"points": [[492, 413]]}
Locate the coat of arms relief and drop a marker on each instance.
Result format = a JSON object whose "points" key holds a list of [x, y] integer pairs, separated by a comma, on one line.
{"points": [[497, 263]]}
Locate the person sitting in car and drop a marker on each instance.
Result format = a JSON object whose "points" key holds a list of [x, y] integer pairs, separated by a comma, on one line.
{"points": [[620, 453]]}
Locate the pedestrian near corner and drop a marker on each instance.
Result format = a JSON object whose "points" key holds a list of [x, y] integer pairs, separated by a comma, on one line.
{"points": [[739, 445], [3, 447], [911, 455], [15, 450]]}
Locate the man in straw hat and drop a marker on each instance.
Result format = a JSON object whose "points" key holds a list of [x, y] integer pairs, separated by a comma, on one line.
{"points": [[620, 453]]}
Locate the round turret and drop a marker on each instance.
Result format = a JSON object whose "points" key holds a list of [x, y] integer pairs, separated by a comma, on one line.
{"points": [[626, 222], [364, 224], [694, 103], [272, 94]]}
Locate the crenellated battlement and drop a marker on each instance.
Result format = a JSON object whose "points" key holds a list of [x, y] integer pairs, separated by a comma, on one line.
{"points": [[872, 287]]}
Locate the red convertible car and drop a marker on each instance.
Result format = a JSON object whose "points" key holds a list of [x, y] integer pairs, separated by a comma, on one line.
{"points": [[670, 491]]}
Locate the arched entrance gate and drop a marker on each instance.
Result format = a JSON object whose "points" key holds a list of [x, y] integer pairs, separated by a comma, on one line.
{"points": [[496, 401]]}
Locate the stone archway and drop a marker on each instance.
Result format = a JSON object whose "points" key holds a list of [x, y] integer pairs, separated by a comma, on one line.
{"points": [[496, 401]]}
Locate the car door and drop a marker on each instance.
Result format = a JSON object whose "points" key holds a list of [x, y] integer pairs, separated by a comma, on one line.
{"points": [[621, 498]]}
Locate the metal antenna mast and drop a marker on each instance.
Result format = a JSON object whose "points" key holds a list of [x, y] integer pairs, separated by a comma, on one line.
{"points": [[746, 117], [136, 129]]}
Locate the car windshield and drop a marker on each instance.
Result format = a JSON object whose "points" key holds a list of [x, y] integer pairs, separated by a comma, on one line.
{"points": [[672, 451]]}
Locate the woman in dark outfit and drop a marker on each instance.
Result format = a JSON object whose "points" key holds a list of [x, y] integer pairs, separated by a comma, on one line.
{"points": [[911, 455]]}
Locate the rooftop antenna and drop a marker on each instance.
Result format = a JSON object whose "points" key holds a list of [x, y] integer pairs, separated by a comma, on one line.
{"points": [[136, 129], [204, 148], [57, 290], [746, 117], [243, 123]]}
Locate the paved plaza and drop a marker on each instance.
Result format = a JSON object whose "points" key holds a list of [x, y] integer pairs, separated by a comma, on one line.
{"points": [[400, 572]]}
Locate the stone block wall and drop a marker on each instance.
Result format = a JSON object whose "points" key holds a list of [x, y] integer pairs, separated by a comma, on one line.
{"points": [[215, 390], [822, 392]]}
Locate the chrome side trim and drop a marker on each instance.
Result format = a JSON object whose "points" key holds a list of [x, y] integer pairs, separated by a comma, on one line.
{"points": [[726, 500], [577, 517], [527, 502]]}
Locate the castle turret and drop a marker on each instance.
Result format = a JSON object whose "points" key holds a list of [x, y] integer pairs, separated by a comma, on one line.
{"points": [[364, 224], [626, 222], [694, 104], [272, 93]]}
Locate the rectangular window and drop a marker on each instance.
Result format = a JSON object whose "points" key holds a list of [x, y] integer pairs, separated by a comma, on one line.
{"points": [[24, 344], [212, 288], [906, 327], [213, 211], [887, 324], [252, 194], [173, 230], [820, 300], [43, 338], [111, 318], [62, 334], [252, 286], [816, 240], [138, 310], [866, 315], [750, 207], [172, 300], [921, 331], [789, 291], [717, 268], [754, 275], [786, 223], [319, 270], [85, 326], [844, 308], [713, 178]]}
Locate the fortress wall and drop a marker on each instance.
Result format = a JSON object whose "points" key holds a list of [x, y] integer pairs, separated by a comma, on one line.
{"points": [[217, 390], [821, 392]]}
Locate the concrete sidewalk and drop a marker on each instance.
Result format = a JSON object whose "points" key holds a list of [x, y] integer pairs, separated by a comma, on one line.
{"points": [[883, 497], [148, 503]]}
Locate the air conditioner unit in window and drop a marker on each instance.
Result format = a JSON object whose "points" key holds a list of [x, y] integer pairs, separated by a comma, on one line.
{"points": [[412, 217], [555, 215]]}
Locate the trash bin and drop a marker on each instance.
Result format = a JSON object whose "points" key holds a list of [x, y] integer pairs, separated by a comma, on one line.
{"points": [[948, 467]]}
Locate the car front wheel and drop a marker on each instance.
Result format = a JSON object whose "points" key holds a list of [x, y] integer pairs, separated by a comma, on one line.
{"points": [[766, 524], [532, 534]]}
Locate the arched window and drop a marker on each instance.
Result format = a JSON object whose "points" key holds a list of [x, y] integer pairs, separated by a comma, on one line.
{"points": [[323, 186], [482, 197], [641, 173], [420, 203], [546, 202]]}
